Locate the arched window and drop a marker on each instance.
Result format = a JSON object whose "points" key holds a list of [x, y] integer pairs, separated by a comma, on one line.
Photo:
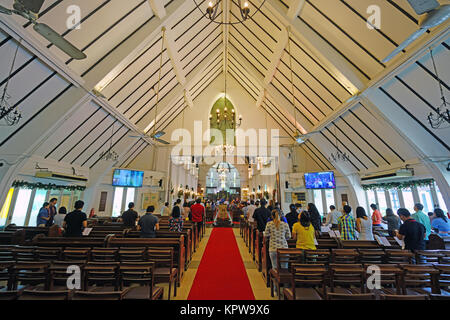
{"points": [[222, 117]]}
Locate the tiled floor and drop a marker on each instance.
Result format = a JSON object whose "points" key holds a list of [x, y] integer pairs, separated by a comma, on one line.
{"points": [[260, 290]]}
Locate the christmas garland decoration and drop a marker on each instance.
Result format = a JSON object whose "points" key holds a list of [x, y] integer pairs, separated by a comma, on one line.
{"points": [[180, 193], [49, 186], [398, 185]]}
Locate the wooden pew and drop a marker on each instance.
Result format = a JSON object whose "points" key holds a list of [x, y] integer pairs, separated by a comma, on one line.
{"points": [[30, 232], [195, 236], [176, 243], [165, 233], [63, 242], [359, 244], [259, 237], [12, 237]]}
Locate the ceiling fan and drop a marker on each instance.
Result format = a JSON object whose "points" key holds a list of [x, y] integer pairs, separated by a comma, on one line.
{"points": [[435, 15], [156, 135], [29, 9], [299, 138]]}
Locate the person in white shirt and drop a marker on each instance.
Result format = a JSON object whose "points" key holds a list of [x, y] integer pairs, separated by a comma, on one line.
{"points": [[165, 211], [333, 217], [244, 208], [251, 209], [59, 218]]}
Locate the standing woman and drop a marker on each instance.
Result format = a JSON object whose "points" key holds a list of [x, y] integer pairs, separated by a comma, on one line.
{"points": [[440, 222], [303, 232], [363, 225], [278, 233], [316, 220], [186, 211], [176, 222]]}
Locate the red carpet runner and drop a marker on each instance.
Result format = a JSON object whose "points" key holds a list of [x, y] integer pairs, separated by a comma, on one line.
{"points": [[221, 274]]}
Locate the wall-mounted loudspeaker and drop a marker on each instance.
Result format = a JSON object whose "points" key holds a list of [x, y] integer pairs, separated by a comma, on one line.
{"points": [[287, 184]]}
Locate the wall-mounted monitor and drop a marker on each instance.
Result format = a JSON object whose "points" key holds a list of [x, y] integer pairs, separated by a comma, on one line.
{"points": [[127, 178], [320, 180]]}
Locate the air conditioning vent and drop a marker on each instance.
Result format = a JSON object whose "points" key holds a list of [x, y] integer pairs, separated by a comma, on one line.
{"points": [[59, 176], [397, 174]]}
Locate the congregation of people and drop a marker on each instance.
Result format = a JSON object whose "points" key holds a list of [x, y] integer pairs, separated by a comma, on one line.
{"points": [[305, 225], [72, 224]]}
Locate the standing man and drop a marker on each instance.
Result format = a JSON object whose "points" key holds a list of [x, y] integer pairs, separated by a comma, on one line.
{"points": [[148, 224], [333, 217], [130, 216], [198, 214], [411, 231], [262, 215], [251, 210], [422, 218], [376, 216], [75, 221], [52, 211], [347, 224]]}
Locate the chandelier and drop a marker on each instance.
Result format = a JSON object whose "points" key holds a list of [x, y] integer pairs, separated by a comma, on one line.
{"points": [[110, 154], [9, 112], [442, 114], [339, 156], [213, 6], [223, 168], [261, 162], [223, 149], [226, 118]]}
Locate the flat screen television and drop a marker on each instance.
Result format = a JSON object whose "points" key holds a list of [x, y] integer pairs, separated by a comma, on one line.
{"points": [[320, 180], [127, 178]]}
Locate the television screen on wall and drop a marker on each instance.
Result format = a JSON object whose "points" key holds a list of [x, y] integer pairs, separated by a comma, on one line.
{"points": [[320, 180], [128, 178]]}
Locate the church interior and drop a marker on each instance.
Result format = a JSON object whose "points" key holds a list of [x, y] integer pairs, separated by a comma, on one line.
{"points": [[224, 150]]}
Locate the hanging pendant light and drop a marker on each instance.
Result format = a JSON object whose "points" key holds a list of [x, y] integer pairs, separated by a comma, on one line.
{"points": [[110, 154], [244, 8], [9, 113], [442, 113]]}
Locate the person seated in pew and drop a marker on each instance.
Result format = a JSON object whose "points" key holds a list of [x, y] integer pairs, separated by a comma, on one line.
{"points": [[75, 221], [440, 222], [148, 224], [411, 231], [176, 222], [303, 231], [43, 215]]}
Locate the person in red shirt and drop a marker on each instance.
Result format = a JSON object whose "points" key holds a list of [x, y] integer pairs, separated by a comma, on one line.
{"points": [[376, 215], [198, 212]]}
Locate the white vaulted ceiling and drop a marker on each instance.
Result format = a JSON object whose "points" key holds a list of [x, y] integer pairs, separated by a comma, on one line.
{"points": [[334, 57]]}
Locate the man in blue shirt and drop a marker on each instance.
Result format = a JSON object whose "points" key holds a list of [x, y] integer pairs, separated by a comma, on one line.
{"points": [[148, 224], [43, 215], [422, 218]]}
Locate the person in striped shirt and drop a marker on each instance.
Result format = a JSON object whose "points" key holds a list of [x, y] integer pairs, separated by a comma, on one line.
{"points": [[347, 224]]}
